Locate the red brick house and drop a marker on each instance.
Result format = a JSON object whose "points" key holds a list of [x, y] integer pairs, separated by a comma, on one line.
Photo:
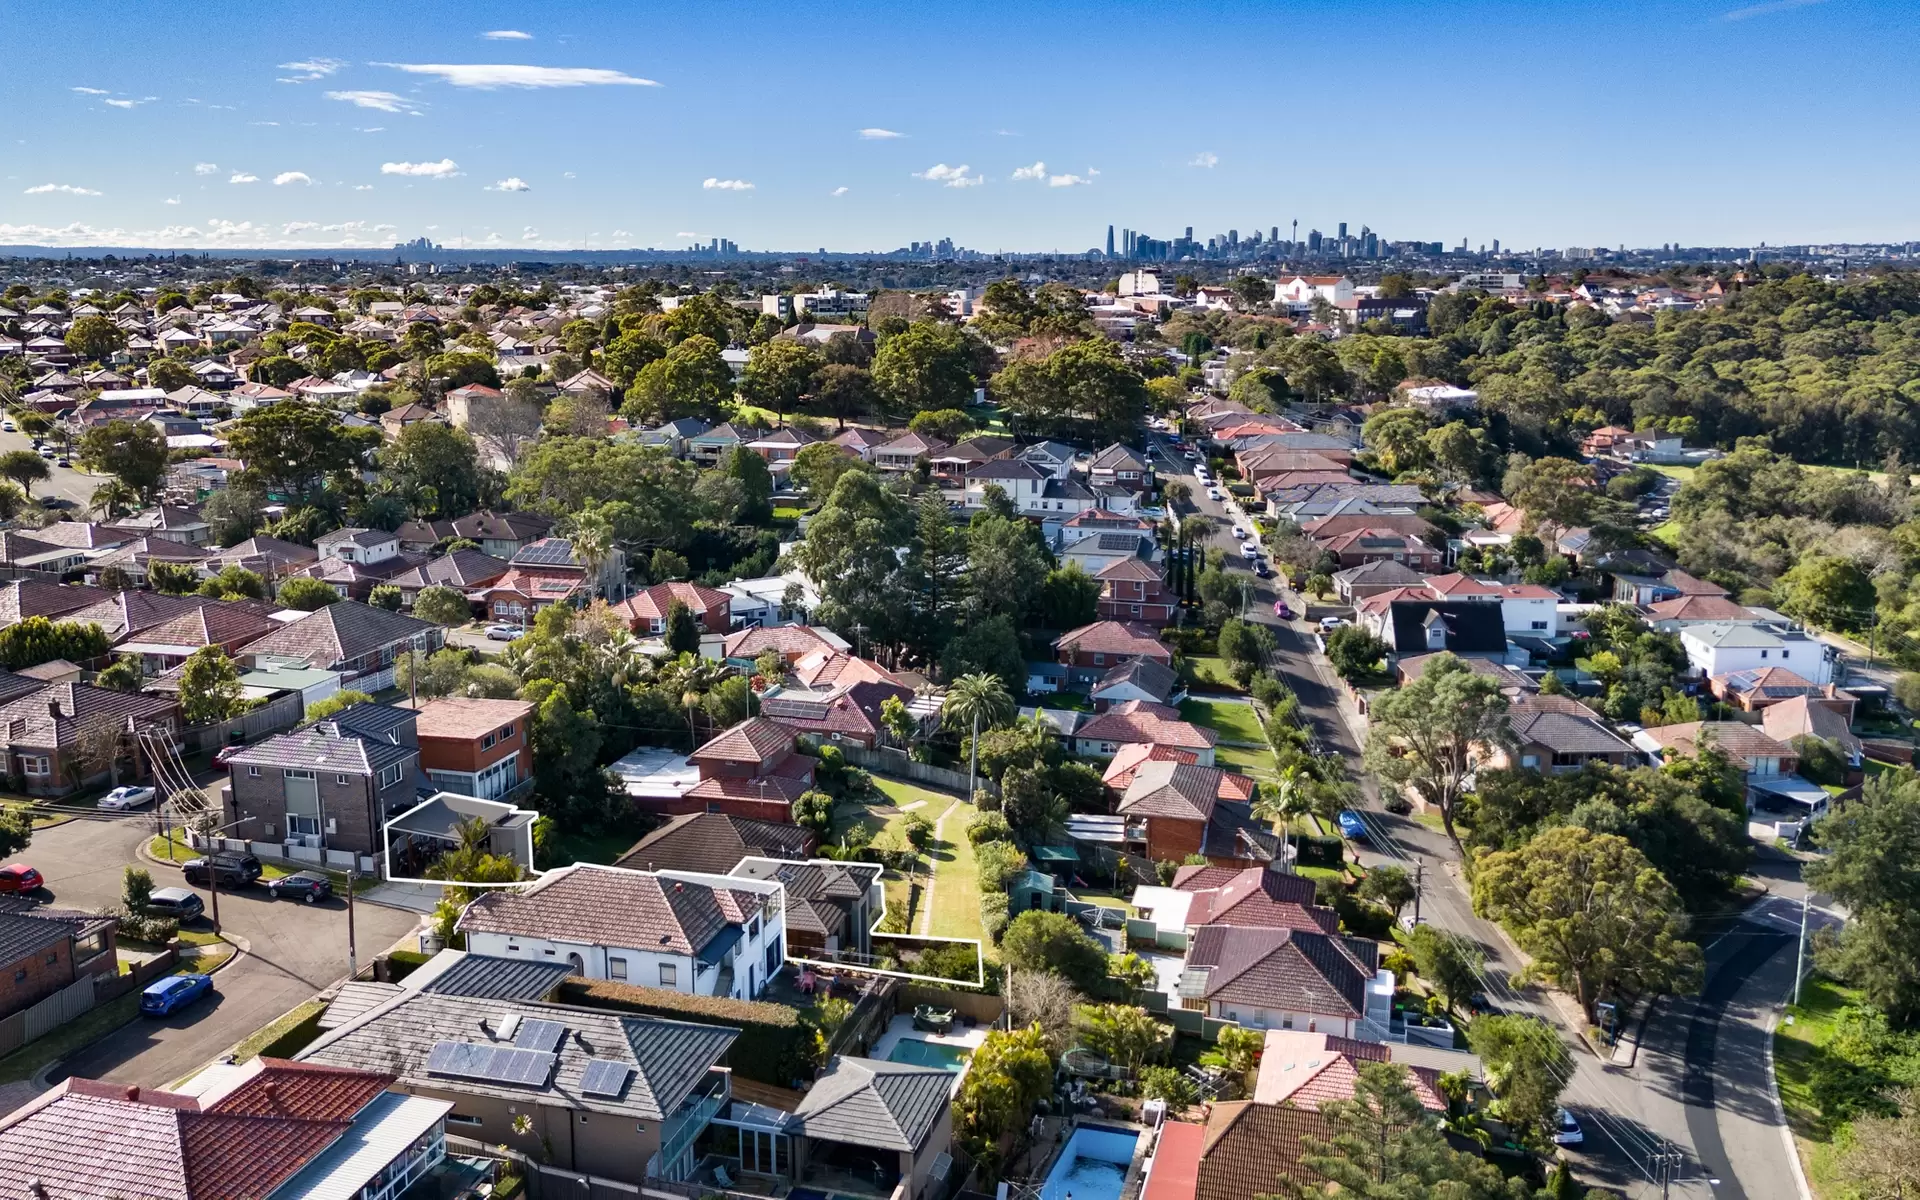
{"points": [[50, 948], [475, 747], [794, 642], [60, 737], [844, 713], [1175, 810], [1133, 589], [1087, 652], [1132, 721], [750, 770], [1357, 547], [646, 611]]}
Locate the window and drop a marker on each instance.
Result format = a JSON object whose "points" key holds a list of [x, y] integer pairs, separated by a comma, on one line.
{"points": [[391, 775], [616, 968], [1539, 624], [506, 731], [454, 1118], [20, 976], [37, 764], [291, 773], [753, 928], [1763, 654], [1099, 660], [341, 780], [253, 772], [1784, 653], [669, 975]]}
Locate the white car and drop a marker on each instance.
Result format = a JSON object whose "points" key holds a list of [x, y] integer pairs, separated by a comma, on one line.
{"points": [[1567, 1131], [1192, 455], [502, 633], [122, 798], [1213, 493], [1239, 534], [9, 426], [1329, 624], [1249, 551]]}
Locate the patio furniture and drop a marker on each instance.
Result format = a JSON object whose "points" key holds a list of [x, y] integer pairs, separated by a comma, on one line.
{"points": [[721, 1177], [929, 1019], [807, 982]]}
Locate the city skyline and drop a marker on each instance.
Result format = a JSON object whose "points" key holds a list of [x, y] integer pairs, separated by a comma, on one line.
{"points": [[482, 126]]}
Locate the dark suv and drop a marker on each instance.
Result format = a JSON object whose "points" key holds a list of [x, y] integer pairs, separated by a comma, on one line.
{"points": [[234, 870], [310, 886]]}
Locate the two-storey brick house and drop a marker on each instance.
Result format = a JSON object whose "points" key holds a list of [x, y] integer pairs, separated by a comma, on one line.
{"points": [[1133, 589], [1089, 651], [475, 747], [330, 786]]}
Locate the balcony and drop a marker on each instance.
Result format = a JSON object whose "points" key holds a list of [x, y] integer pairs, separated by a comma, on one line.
{"points": [[674, 1159]]}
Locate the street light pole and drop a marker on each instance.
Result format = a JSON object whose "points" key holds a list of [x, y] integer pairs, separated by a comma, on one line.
{"points": [[1800, 950]]}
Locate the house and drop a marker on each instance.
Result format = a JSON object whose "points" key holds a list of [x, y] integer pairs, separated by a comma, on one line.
{"points": [[1133, 589], [1417, 625], [173, 523], [794, 642], [647, 611], [635, 1117], [1356, 547], [1140, 721], [1305, 1070], [474, 747], [462, 400], [500, 535], [1119, 465], [464, 571], [1137, 679], [1724, 648], [1304, 289], [1265, 978], [1525, 608], [714, 843], [780, 446], [1754, 691], [1372, 578], [749, 770], [268, 557], [1095, 554], [1645, 590], [888, 1124], [1675, 614], [1239, 895], [23, 598], [1094, 522], [547, 572], [1627, 445], [1513, 684], [903, 452], [1303, 503], [860, 442], [359, 641], [270, 1127], [842, 712], [1024, 484], [60, 737], [1174, 810], [713, 446], [123, 614], [705, 935], [330, 786], [764, 600], [831, 906], [1054, 458], [355, 561], [1120, 770], [45, 950], [1087, 652], [1749, 747], [673, 436], [395, 421], [1242, 1149], [1558, 734], [228, 624]]}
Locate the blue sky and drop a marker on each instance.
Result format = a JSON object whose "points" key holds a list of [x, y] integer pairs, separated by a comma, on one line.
{"points": [[1004, 126]]}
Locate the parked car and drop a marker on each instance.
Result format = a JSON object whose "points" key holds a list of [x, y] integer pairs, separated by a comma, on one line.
{"points": [[46, 452], [175, 902], [1567, 1131], [1262, 569], [164, 997], [223, 759], [51, 502], [1351, 826], [233, 870], [19, 877], [64, 461], [1249, 551], [9, 426], [310, 886], [1282, 610], [502, 633], [1213, 493], [1329, 624], [123, 798]]}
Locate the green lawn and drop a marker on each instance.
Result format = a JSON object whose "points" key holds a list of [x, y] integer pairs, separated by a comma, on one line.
{"points": [[1230, 719], [1796, 1049], [887, 811], [84, 1030], [1682, 472], [1210, 671], [1257, 763], [1666, 532], [956, 878]]}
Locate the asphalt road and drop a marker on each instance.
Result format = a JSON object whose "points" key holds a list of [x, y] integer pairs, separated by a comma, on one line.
{"points": [[68, 483], [1701, 1084], [295, 951]]}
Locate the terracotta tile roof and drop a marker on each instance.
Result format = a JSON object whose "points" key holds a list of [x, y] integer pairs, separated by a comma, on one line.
{"points": [[1253, 897], [831, 668], [754, 740], [850, 709], [611, 907], [1102, 518], [790, 640], [282, 1087], [1122, 766], [217, 623], [1173, 789], [715, 843], [1251, 1148], [1802, 716], [1130, 568], [1307, 1070], [467, 718], [1688, 585], [771, 789], [1768, 681], [1115, 637], [1293, 968], [654, 603], [1144, 721], [1458, 586], [1699, 608], [1740, 743], [1418, 527]]}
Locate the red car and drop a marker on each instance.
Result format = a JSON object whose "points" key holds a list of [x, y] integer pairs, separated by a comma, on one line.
{"points": [[224, 758], [19, 877]]}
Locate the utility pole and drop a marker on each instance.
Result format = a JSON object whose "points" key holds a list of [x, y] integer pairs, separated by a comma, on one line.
{"points": [[1419, 886], [353, 958], [1800, 950]]}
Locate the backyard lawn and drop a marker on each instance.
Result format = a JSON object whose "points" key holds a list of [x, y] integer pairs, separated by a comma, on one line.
{"points": [[1244, 759], [956, 877], [1232, 720], [1210, 671], [888, 811]]}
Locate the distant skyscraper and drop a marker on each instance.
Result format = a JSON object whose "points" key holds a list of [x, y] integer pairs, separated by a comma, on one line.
{"points": [[1109, 241], [1189, 233], [1274, 236], [1343, 231], [1314, 238]]}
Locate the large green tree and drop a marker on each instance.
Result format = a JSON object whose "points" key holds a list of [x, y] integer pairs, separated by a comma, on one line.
{"points": [[95, 338], [135, 453], [1423, 737], [435, 469], [927, 365], [210, 687], [1871, 864], [290, 449], [780, 373]]}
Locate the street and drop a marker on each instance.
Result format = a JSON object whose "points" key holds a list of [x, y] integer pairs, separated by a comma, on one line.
{"points": [[294, 951], [68, 483], [1700, 1088]]}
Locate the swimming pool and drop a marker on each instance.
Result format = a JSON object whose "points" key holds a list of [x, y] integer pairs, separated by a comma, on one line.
{"points": [[922, 1053], [1092, 1165]]}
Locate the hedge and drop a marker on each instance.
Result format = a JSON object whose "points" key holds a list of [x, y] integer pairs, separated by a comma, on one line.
{"points": [[775, 1046], [296, 1038], [402, 963], [1319, 851]]}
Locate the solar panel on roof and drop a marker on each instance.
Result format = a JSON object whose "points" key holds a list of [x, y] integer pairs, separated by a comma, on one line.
{"points": [[491, 1064], [540, 1035], [605, 1077]]}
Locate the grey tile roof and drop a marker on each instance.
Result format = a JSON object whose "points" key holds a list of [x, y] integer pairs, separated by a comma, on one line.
{"points": [[340, 633], [610, 907], [380, 722], [22, 935], [313, 750], [882, 1105], [356, 998], [1543, 724], [669, 1058], [485, 977], [357, 537]]}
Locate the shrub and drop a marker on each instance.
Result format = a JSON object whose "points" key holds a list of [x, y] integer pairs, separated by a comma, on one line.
{"points": [[1169, 1084], [998, 862], [775, 1046], [988, 827], [145, 927], [1321, 851], [959, 961], [993, 915], [136, 888], [919, 831], [402, 963]]}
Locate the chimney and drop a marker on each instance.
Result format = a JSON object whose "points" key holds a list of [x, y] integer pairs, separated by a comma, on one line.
{"points": [[53, 707], [133, 1093], [38, 1188]]}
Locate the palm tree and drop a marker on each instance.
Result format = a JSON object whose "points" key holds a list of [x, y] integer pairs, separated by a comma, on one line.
{"points": [[113, 499], [592, 538], [973, 699], [1282, 801]]}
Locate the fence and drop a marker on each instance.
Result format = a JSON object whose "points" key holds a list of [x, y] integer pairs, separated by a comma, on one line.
{"points": [[982, 1008], [372, 683], [280, 713], [309, 856], [888, 761], [48, 1015]]}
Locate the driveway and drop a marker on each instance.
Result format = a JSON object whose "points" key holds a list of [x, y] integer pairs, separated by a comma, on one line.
{"points": [[295, 951]]}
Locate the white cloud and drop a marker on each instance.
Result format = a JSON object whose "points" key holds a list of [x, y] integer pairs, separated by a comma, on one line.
{"points": [[954, 177], [1761, 10], [567, 175], [286, 177], [1206, 158], [310, 69], [686, 235], [130, 103], [205, 168], [726, 185], [65, 189], [444, 169], [1006, 133], [87, 91], [298, 226], [243, 177], [1036, 171], [512, 183], [620, 233], [171, 200], [506, 35], [488, 76], [875, 135], [1067, 180], [839, 191], [381, 101], [362, 187]]}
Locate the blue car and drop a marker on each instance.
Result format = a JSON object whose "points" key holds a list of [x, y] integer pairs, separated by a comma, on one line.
{"points": [[164, 997], [1351, 826]]}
